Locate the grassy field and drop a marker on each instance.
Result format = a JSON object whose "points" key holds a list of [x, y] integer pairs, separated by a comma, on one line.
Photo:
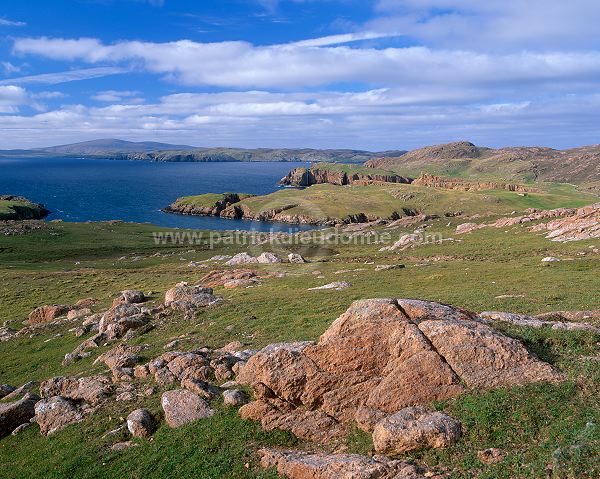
{"points": [[546, 430], [324, 200]]}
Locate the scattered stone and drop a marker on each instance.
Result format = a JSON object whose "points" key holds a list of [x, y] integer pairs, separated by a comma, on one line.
{"points": [[56, 413], [415, 428], [304, 465], [241, 258], [385, 267], [121, 446], [404, 242], [296, 258], [467, 228], [268, 258], [229, 277], [140, 423], [20, 391], [46, 314], [182, 407], [201, 388], [129, 296], [536, 322], [123, 356], [185, 297], [234, 397], [75, 314], [491, 455], [337, 285], [6, 389], [13, 414], [550, 259], [20, 428], [92, 389]]}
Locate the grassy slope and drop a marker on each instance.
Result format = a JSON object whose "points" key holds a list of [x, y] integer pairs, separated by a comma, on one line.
{"points": [[321, 201], [538, 425], [207, 199], [7, 212]]}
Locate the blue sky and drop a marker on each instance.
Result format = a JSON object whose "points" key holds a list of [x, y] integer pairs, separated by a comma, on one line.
{"points": [[373, 74]]}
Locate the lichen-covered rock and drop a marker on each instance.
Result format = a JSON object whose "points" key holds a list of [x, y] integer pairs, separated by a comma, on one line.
{"points": [[268, 258], [129, 296], [13, 414], [304, 465], [234, 397], [385, 355], [415, 428], [56, 413], [184, 295], [182, 407], [47, 313], [122, 356], [241, 258], [296, 258], [92, 389], [140, 423]]}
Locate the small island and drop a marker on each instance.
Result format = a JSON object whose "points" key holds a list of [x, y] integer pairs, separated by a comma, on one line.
{"points": [[19, 208]]}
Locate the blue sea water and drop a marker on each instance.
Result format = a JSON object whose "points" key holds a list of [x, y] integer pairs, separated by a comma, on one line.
{"points": [[100, 190]]}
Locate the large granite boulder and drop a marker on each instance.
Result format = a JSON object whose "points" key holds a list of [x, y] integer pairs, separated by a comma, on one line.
{"points": [[182, 407], [92, 389], [384, 355]]}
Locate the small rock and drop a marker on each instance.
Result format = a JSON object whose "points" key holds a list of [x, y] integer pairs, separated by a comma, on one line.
{"points": [[385, 267], [550, 259], [182, 407], [337, 285], [268, 258], [234, 397], [79, 313], [140, 423], [491, 455], [415, 428], [20, 428], [296, 258], [56, 413], [120, 446]]}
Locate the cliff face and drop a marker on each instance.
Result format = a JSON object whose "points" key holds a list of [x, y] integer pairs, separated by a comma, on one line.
{"points": [[315, 176], [181, 207], [434, 181], [19, 208]]}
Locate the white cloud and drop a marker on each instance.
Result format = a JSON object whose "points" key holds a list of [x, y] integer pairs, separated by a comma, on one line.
{"points": [[111, 96], [5, 22], [12, 97], [242, 65], [67, 76], [493, 25]]}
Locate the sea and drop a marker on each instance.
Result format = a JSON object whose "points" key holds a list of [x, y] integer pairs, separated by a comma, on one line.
{"points": [[136, 191]]}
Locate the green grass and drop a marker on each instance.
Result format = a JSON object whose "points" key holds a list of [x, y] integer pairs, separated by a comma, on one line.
{"points": [[537, 425], [331, 201], [207, 199]]}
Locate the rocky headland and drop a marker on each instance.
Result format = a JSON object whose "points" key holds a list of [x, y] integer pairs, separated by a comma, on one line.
{"points": [[18, 208]]}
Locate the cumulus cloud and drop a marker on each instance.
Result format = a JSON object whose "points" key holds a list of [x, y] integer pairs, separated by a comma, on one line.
{"points": [[12, 97]]}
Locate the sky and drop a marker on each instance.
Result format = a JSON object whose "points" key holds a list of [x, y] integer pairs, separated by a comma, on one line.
{"points": [[364, 74]]}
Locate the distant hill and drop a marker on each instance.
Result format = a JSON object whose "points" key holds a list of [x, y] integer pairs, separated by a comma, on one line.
{"points": [[115, 149], [111, 145], [466, 160]]}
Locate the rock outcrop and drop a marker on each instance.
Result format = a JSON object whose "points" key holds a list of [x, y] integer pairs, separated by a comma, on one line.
{"points": [[319, 175], [583, 224], [434, 181], [184, 206], [92, 389], [304, 465], [47, 313], [385, 355]]}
